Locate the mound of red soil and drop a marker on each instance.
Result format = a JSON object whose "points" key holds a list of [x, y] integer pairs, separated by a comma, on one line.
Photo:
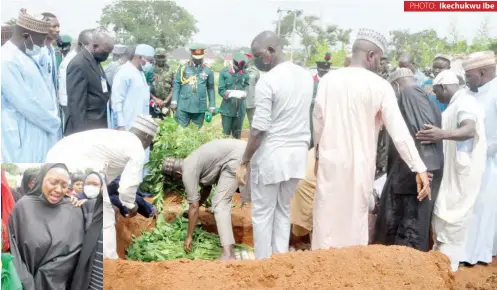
{"points": [[371, 267]]}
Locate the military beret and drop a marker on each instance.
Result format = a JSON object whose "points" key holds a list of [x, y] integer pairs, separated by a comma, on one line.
{"points": [[238, 56]]}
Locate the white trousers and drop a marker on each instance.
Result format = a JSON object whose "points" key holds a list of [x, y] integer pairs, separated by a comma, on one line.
{"points": [[271, 217], [109, 229]]}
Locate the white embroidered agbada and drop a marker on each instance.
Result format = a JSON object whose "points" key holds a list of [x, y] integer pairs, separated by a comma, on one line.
{"points": [[464, 165], [350, 105]]}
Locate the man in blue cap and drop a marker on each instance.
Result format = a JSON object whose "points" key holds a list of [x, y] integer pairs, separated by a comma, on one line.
{"points": [[194, 81]]}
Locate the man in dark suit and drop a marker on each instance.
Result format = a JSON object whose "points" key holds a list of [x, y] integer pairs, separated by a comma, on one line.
{"points": [[87, 88]]}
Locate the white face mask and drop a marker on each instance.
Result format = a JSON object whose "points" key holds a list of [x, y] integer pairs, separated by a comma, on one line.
{"points": [[32, 52], [91, 191]]}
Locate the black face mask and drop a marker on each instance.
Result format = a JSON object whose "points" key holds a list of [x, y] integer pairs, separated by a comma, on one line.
{"points": [[260, 65], [238, 66], [101, 56]]}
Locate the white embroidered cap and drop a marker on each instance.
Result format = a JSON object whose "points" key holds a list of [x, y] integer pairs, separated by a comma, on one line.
{"points": [[374, 37]]}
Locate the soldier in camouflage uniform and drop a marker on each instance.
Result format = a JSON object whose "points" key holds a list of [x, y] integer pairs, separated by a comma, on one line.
{"points": [[193, 82], [233, 109], [162, 86]]}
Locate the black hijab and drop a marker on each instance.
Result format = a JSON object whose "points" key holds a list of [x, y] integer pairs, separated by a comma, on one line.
{"points": [[36, 190], [26, 177], [82, 274]]}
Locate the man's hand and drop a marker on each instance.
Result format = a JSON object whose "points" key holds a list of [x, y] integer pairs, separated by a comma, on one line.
{"points": [[132, 212], [430, 134], [77, 202], [240, 174], [212, 110], [423, 183], [116, 212], [188, 244], [159, 102]]}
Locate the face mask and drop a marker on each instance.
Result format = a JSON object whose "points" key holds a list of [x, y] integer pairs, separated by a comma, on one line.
{"points": [[91, 191], [32, 52], [100, 56], [147, 67], [198, 61], [261, 65]]}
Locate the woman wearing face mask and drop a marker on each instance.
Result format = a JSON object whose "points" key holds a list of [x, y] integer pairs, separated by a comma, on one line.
{"points": [[46, 232], [27, 101], [88, 274]]}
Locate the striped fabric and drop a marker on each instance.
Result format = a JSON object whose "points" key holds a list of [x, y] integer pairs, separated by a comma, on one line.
{"points": [[97, 275]]}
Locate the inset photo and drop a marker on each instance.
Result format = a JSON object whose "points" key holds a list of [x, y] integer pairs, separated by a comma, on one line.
{"points": [[51, 226]]}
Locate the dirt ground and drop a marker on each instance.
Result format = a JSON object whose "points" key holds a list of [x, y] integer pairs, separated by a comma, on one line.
{"points": [[371, 267]]}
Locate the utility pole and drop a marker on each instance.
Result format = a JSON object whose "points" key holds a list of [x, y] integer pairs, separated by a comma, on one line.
{"points": [[279, 21], [295, 14]]}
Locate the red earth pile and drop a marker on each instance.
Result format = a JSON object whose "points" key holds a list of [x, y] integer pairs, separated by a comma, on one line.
{"points": [[371, 267]]}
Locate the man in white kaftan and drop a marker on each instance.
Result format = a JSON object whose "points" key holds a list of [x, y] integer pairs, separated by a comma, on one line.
{"points": [[30, 122], [481, 78], [465, 148], [119, 153], [350, 105]]}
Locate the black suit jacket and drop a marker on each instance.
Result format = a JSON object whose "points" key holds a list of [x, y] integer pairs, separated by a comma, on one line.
{"points": [[86, 101]]}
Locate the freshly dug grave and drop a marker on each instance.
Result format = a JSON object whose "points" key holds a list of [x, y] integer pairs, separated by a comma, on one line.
{"points": [[371, 267], [240, 219]]}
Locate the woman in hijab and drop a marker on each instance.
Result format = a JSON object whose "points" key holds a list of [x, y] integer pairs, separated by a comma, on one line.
{"points": [[46, 232], [89, 271], [27, 183]]}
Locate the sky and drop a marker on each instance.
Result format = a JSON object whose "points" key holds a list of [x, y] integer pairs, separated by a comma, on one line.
{"points": [[237, 22]]}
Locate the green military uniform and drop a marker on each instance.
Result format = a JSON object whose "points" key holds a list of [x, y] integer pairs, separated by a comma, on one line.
{"points": [[233, 110], [323, 67], [63, 45], [192, 84]]}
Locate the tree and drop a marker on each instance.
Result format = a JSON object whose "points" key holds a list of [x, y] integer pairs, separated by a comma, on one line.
{"points": [[12, 21], [218, 65], [321, 49], [158, 23], [482, 38], [11, 168], [343, 36]]}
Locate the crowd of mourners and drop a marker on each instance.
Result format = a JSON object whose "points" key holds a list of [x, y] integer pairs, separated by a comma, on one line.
{"points": [[352, 156]]}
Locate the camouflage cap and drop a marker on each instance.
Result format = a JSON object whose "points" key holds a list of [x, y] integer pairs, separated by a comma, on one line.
{"points": [[160, 51]]}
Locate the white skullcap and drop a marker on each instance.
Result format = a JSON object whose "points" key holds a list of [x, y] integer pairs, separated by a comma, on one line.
{"points": [[146, 125], [478, 60], [446, 77], [400, 73], [119, 49], [443, 56], [374, 37], [144, 50]]}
